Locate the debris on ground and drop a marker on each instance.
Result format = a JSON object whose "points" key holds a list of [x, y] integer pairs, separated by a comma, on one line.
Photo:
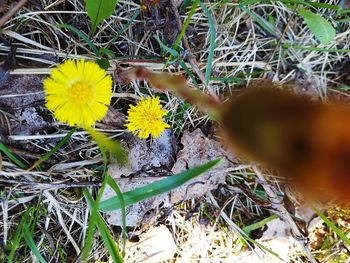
{"points": [[151, 162]]}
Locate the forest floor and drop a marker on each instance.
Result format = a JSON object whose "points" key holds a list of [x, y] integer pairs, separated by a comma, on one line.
{"points": [[237, 212]]}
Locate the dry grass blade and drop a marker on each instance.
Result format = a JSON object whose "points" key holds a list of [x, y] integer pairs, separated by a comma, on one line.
{"points": [[12, 11], [4, 123], [244, 49], [277, 205]]}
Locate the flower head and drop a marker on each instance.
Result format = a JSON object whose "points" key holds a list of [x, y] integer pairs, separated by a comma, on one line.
{"points": [[145, 118], [78, 92]]}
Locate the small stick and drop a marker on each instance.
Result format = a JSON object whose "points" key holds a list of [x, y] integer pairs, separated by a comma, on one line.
{"points": [[277, 205], [21, 183], [12, 11], [280, 39], [191, 57]]}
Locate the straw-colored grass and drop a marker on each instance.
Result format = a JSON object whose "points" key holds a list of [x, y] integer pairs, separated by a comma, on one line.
{"points": [[242, 51]]}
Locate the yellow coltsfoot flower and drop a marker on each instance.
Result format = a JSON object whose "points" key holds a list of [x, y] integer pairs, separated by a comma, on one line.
{"points": [[78, 92], [145, 118]]}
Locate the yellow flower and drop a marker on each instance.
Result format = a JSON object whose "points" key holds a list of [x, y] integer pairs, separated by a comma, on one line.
{"points": [[78, 92], [145, 118]]}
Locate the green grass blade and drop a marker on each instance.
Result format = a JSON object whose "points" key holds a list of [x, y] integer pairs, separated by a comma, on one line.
{"points": [[107, 52], [31, 244], [262, 22], [104, 232], [307, 3], [183, 30], [107, 144], [13, 158], [173, 53], [54, 149], [263, 247], [81, 35], [92, 222], [344, 20], [17, 237], [211, 44], [332, 226], [104, 144], [248, 2], [125, 27], [315, 48], [299, 2], [111, 182], [344, 11], [260, 224], [186, 23], [319, 5], [156, 188], [189, 73]]}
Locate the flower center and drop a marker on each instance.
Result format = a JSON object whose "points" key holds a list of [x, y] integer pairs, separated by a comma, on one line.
{"points": [[150, 117], [80, 92]]}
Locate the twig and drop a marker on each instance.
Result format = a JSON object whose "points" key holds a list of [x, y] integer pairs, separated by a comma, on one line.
{"points": [[229, 222], [6, 182], [277, 205], [191, 58], [55, 185], [12, 11], [244, 189], [4, 205], [280, 39]]}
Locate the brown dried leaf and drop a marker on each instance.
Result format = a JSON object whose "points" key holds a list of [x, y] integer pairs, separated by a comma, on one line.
{"points": [[114, 118], [197, 150], [307, 140], [148, 163]]}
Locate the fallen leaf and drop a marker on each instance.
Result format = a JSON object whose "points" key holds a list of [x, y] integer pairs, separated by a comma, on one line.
{"points": [[149, 163]]}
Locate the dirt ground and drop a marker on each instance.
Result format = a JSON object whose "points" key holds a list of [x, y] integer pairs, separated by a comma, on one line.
{"points": [[237, 212]]}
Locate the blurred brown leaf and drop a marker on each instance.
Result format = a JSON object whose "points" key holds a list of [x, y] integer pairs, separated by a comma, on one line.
{"points": [[309, 141]]}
